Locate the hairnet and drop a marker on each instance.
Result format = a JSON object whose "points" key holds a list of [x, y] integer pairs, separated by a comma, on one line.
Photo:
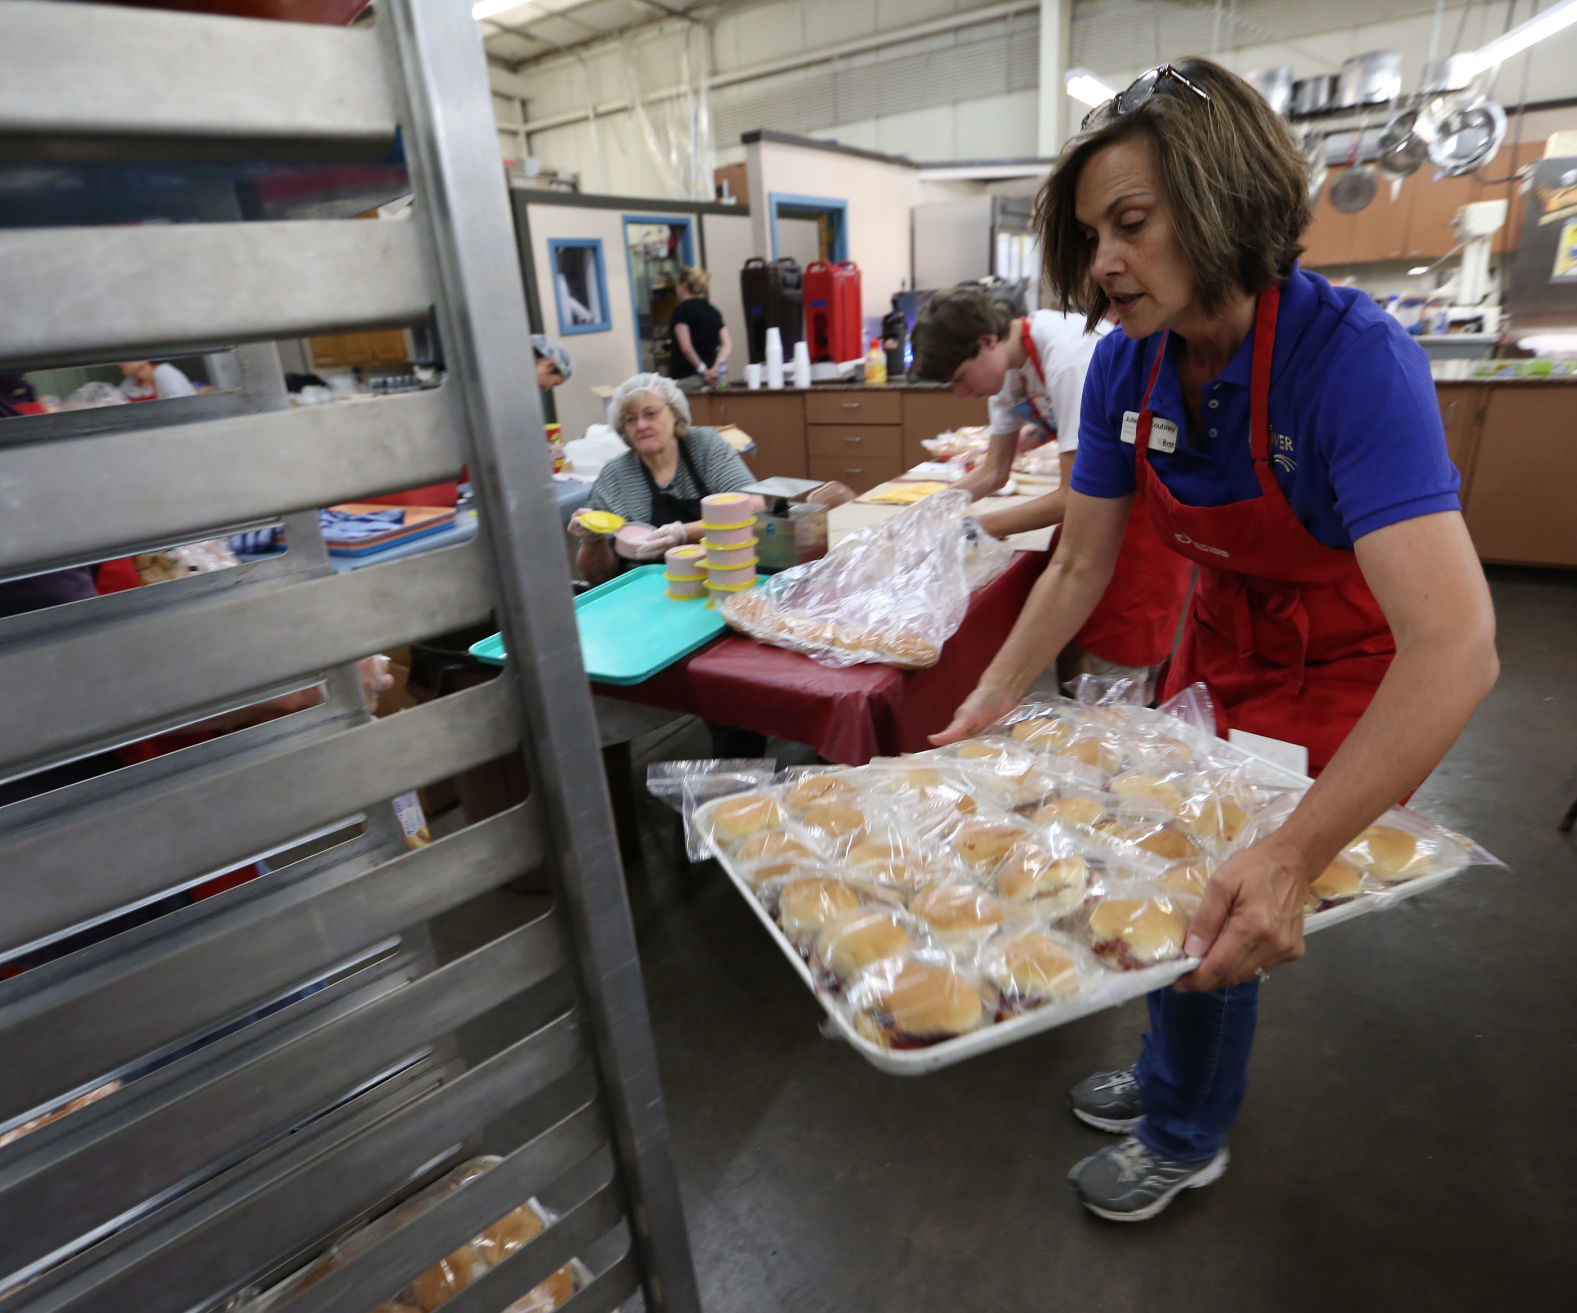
{"points": [[544, 346], [663, 388]]}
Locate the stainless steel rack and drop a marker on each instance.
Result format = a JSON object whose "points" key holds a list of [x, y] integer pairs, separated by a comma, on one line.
{"points": [[286, 1051]]}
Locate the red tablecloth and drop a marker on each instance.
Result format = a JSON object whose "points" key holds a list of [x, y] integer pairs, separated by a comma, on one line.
{"points": [[848, 715]]}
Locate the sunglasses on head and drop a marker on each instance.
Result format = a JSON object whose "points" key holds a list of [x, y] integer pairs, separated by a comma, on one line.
{"points": [[1139, 92]]}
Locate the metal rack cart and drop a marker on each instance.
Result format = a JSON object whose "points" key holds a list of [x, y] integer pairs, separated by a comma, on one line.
{"points": [[281, 1116]]}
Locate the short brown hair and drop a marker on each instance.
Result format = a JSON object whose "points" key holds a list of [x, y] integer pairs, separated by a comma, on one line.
{"points": [[1235, 182], [695, 280], [949, 327]]}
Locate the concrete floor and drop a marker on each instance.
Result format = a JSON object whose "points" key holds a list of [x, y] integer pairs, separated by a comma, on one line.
{"points": [[1406, 1144]]}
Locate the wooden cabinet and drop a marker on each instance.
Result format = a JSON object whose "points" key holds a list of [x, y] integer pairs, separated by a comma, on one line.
{"points": [[929, 411], [1417, 224], [877, 443], [347, 350], [1461, 411], [1380, 230], [1435, 204], [836, 406], [1520, 509], [1330, 236], [776, 420], [860, 471]]}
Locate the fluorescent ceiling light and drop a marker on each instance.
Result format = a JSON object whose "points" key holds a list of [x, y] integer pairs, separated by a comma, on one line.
{"points": [[487, 8], [1420, 269], [1554, 19], [1088, 89]]}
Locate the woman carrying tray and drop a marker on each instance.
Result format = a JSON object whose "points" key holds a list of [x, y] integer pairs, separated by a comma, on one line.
{"points": [[1283, 434]]}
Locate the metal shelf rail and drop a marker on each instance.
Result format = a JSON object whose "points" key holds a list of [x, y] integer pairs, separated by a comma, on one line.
{"points": [[305, 1112]]}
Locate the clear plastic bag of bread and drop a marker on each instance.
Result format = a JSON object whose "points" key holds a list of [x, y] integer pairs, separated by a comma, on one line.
{"points": [[892, 593], [453, 1273], [685, 785]]}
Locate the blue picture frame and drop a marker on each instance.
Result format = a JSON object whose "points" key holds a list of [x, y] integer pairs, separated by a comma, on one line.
{"points": [[789, 206], [603, 322]]}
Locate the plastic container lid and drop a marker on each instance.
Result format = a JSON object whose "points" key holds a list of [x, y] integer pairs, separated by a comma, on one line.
{"points": [[728, 588], [711, 546], [602, 521], [743, 524], [736, 565], [682, 578]]}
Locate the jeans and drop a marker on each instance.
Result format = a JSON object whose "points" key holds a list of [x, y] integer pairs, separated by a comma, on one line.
{"points": [[1194, 1069]]}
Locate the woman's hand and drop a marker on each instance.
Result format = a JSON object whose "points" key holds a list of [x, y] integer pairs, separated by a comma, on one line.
{"points": [[579, 530], [1251, 917], [375, 678], [656, 547], [983, 707]]}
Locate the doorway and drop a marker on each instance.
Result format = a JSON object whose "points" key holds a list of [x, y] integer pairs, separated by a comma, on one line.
{"points": [[657, 248], [813, 226]]}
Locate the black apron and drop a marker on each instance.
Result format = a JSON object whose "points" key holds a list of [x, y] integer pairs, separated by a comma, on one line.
{"points": [[666, 508]]}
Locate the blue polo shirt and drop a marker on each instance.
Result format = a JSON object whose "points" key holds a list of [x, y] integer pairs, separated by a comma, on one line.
{"points": [[1357, 442]]}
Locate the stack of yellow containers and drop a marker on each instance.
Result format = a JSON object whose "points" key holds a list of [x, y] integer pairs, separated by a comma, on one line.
{"points": [[686, 573], [729, 537]]}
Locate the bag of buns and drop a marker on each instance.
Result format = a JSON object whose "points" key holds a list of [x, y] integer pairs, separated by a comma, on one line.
{"points": [[891, 594]]}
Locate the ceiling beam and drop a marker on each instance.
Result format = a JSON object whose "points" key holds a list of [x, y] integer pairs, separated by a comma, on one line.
{"points": [[614, 33]]}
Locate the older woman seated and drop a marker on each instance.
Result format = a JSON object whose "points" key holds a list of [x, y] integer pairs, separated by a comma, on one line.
{"points": [[661, 479]]}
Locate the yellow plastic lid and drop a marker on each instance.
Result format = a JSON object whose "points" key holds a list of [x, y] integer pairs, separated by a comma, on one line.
{"points": [[743, 524], [737, 565], [682, 578], [729, 588], [727, 547], [602, 521]]}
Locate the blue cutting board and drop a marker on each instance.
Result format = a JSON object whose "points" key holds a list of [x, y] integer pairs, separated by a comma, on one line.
{"points": [[630, 628]]}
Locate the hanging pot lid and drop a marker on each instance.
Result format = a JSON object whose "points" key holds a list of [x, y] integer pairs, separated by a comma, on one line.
{"points": [[1357, 185], [1403, 148], [1354, 189], [1468, 137]]}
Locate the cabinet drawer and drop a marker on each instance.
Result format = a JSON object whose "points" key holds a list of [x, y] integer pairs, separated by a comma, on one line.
{"points": [[853, 407], [860, 472], [855, 440]]}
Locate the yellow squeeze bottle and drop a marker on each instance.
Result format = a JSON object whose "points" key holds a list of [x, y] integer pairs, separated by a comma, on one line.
{"points": [[876, 363]]}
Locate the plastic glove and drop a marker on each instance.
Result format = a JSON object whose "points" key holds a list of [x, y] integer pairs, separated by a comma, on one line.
{"points": [[375, 678], [656, 547]]}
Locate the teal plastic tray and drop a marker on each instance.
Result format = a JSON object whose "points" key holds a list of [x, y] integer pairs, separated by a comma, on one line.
{"points": [[629, 628]]}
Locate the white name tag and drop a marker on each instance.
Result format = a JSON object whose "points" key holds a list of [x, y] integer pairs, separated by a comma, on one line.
{"points": [[1163, 433], [1289, 756]]}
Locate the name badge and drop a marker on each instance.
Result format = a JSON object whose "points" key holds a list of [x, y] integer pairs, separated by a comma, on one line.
{"points": [[1163, 433]]}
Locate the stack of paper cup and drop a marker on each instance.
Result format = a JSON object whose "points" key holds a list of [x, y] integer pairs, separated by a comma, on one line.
{"points": [[802, 364], [774, 358], [686, 572], [729, 538]]}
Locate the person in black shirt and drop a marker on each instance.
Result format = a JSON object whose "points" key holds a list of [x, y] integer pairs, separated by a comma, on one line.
{"points": [[700, 341]]}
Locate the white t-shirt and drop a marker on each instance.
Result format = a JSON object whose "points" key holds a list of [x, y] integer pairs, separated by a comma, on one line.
{"points": [[168, 381], [1065, 349]]}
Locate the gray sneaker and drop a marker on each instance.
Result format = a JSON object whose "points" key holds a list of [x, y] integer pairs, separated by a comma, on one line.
{"points": [[1128, 1183], [1109, 1101]]}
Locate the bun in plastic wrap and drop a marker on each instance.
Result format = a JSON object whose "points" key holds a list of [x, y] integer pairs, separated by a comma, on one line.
{"points": [[807, 903], [747, 815], [1134, 932], [921, 1003]]}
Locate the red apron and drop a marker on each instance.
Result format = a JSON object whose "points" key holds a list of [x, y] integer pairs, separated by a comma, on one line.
{"points": [[1283, 630], [1135, 622]]}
